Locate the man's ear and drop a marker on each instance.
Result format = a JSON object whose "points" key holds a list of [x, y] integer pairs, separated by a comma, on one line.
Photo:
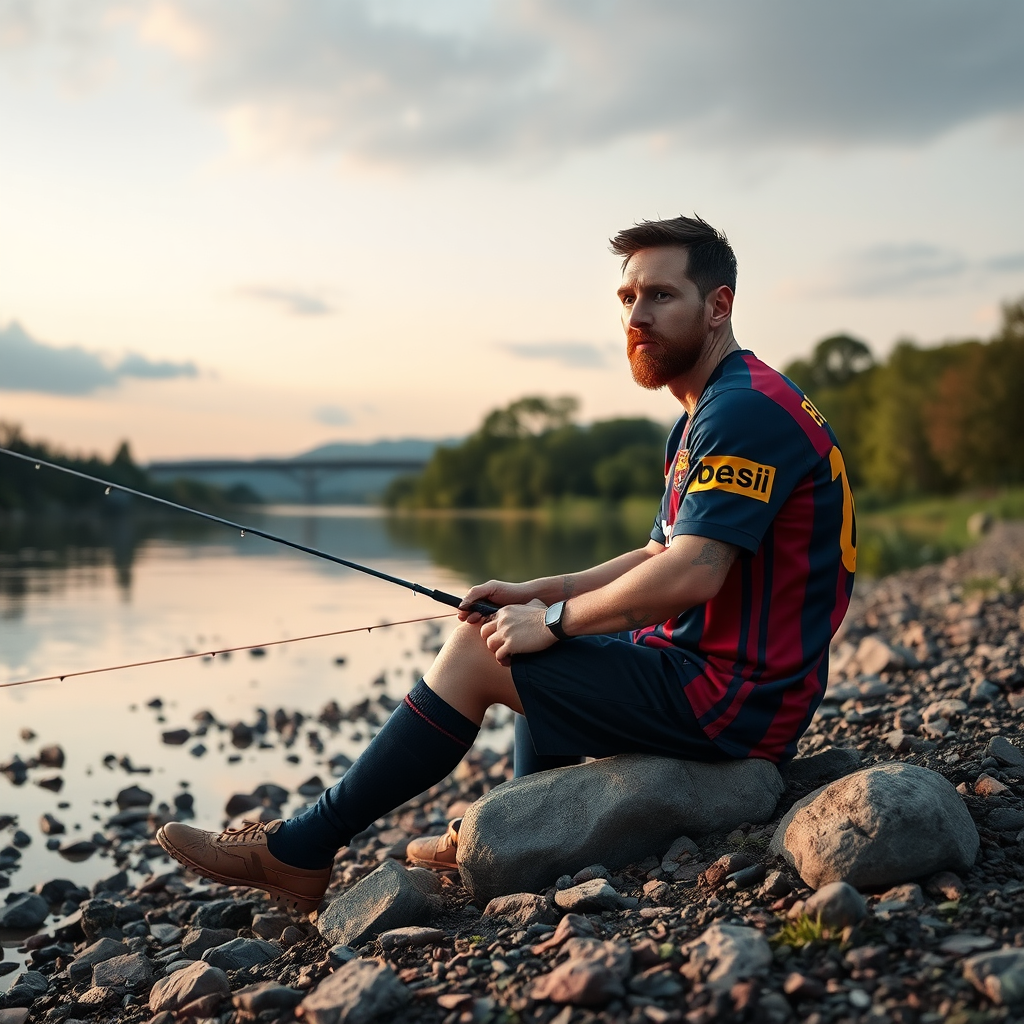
{"points": [[720, 303]]}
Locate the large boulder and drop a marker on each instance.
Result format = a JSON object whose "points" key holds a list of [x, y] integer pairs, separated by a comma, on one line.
{"points": [[358, 993], [878, 827], [526, 833], [388, 897]]}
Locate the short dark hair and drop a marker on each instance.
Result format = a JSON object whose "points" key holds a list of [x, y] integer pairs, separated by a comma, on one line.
{"points": [[711, 260]]}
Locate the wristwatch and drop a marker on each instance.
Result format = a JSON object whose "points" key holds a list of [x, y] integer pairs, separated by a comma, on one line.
{"points": [[553, 619]]}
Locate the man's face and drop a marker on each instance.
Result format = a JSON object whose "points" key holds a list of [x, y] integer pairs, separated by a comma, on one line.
{"points": [[666, 321]]}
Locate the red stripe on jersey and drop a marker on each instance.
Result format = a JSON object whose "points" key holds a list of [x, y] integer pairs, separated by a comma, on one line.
{"points": [[791, 715], [773, 385], [724, 720]]}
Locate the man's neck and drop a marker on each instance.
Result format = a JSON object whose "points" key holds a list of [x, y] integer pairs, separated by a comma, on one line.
{"points": [[688, 387]]}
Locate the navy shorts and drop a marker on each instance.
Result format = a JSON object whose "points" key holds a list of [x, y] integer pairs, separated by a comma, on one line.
{"points": [[602, 695]]}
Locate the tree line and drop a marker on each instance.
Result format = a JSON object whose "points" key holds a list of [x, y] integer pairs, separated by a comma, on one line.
{"points": [[531, 452], [24, 488], [924, 421]]}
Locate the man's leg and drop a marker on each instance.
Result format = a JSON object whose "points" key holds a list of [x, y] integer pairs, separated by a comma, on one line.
{"points": [[528, 761], [422, 742]]}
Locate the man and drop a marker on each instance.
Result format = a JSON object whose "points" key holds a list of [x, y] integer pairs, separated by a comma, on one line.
{"points": [[730, 605]]}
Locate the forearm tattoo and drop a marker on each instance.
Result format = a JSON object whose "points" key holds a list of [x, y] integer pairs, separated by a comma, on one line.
{"points": [[568, 586], [634, 619], [714, 554]]}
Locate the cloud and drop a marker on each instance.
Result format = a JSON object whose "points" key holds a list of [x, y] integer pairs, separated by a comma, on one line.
{"points": [[914, 268], [296, 302], [532, 79], [332, 416], [30, 365], [576, 354]]}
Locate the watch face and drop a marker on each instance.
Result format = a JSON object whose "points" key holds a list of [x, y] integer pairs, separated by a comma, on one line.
{"points": [[554, 613]]}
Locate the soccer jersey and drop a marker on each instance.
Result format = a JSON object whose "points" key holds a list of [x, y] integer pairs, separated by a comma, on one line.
{"points": [[757, 466]]}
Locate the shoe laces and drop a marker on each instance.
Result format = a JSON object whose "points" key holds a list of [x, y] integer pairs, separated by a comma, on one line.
{"points": [[249, 830]]}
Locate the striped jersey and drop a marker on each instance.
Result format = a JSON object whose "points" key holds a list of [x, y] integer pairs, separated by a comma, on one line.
{"points": [[758, 466]]}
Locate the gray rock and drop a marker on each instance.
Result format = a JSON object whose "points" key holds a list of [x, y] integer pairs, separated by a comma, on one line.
{"points": [[133, 796], [23, 911], [592, 975], [1005, 819], [225, 914], [164, 933], [185, 986], [240, 953], [270, 925], [899, 898], [821, 768], [132, 971], [999, 975], [414, 935], [389, 897], [681, 849], [267, 995], [881, 826], [1005, 752], [103, 949], [726, 954], [198, 940], [357, 993], [837, 904], [592, 897], [521, 908], [26, 988], [525, 833]]}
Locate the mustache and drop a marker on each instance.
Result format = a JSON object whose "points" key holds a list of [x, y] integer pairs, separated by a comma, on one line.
{"points": [[641, 336]]}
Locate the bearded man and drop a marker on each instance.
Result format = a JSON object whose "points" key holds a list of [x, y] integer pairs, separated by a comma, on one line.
{"points": [[709, 643]]}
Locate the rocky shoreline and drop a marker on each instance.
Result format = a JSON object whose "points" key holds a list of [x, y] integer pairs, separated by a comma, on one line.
{"points": [[745, 923]]}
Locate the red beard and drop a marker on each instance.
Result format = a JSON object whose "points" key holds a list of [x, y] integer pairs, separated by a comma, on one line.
{"points": [[654, 368]]}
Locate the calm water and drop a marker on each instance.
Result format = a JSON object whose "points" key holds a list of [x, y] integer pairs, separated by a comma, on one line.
{"points": [[78, 594]]}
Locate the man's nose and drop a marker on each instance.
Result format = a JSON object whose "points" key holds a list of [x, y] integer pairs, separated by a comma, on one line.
{"points": [[639, 315]]}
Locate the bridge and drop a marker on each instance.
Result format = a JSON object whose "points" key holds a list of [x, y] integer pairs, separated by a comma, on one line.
{"points": [[308, 472]]}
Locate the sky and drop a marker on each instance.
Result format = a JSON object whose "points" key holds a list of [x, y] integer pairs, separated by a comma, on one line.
{"points": [[249, 227]]}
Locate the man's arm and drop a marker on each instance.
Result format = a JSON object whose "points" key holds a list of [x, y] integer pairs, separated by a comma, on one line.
{"points": [[688, 573], [556, 588]]}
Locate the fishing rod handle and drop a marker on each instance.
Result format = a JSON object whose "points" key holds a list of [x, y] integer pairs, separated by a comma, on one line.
{"points": [[481, 607]]}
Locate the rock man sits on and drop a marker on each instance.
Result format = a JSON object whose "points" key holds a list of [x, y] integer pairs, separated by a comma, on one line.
{"points": [[709, 643]]}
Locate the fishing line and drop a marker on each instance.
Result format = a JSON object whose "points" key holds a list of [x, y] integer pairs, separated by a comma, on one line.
{"points": [[483, 607], [220, 650]]}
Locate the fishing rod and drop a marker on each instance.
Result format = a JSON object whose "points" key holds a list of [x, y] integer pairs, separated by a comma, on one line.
{"points": [[481, 607]]}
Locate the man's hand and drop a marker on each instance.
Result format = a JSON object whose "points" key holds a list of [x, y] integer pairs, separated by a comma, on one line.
{"points": [[497, 593], [517, 629]]}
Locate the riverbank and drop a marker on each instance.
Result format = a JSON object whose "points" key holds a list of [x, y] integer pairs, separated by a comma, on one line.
{"points": [[948, 697]]}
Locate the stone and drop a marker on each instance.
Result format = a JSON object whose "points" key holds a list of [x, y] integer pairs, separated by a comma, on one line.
{"points": [[225, 914], [1005, 819], [175, 737], [103, 949], [521, 908], [165, 933], [198, 940], [24, 911], [987, 786], [131, 971], [592, 975], [50, 826], [239, 803], [14, 1015], [239, 954], [999, 975], [572, 925], [656, 890], [946, 884], [389, 897], [618, 810], [899, 898], [357, 993], [196, 981], [401, 938], [592, 897], [681, 849], [1005, 752], [883, 825], [133, 796], [726, 954], [818, 769], [270, 925], [589, 873], [874, 656], [963, 943], [267, 995]]}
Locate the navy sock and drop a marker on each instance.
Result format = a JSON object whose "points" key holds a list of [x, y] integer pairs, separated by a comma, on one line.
{"points": [[422, 741], [527, 761]]}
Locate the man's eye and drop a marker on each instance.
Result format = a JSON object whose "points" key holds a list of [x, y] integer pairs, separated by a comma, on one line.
{"points": [[661, 295], [628, 300]]}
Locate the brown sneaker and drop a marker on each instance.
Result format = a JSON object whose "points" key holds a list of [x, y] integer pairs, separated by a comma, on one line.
{"points": [[240, 857], [437, 852]]}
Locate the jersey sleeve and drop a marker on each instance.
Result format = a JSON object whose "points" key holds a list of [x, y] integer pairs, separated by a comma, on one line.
{"points": [[746, 454]]}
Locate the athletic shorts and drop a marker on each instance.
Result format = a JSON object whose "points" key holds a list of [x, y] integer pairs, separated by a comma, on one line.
{"points": [[601, 695]]}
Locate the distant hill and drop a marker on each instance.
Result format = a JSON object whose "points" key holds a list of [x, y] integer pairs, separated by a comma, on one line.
{"points": [[348, 487]]}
